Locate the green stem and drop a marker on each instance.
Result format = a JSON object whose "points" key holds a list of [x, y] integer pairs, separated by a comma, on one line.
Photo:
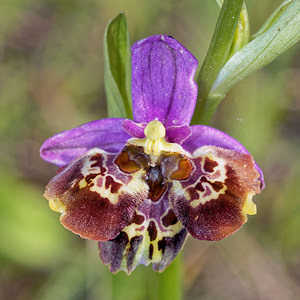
{"points": [[170, 281], [146, 284], [215, 59]]}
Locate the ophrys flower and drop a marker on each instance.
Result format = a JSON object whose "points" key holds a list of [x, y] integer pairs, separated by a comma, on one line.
{"points": [[138, 187]]}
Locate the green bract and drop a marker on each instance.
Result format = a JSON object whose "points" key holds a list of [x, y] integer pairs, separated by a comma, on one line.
{"points": [[216, 56], [279, 33], [117, 68], [242, 31]]}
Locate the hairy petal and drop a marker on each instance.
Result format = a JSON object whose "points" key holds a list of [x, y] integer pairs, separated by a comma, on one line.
{"points": [[205, 135], [178, 134], [163, 84], [106, 134], [213, 202], [95, 198], [134, 129]]}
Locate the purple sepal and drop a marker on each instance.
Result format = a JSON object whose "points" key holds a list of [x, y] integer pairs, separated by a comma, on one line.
{"points": [[178, 134], [134, 129], [106, 134], [208, 136], [162, 81]]}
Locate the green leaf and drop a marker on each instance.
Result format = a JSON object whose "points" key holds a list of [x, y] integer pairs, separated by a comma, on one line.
{"points": [[217, 54], [280, 36], [273, 18], [117, 68]]}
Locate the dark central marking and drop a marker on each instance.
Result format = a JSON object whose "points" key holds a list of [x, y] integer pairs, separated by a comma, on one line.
{"points": [[194, 195], [150, 251], [114, 186], [98, 158], [169, 218], [90, 177], [156, 182], [152, 231], [137, 219], [209, 165], [217, 186], [199, 186]]}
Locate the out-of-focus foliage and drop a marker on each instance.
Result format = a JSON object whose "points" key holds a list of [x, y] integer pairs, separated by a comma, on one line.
{"points": [[51, 79]]}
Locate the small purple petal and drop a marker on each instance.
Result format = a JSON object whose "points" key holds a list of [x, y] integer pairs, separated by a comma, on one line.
{"points": [[134, 129], [162, 81], [178, 134], [205, 135], [106, 134]]}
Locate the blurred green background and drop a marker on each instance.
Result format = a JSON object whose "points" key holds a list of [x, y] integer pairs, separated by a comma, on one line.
{"points": [[51, 79]]}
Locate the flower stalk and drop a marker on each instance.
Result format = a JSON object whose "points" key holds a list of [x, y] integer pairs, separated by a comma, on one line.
{"points": [[151, 285], [215, 59]]}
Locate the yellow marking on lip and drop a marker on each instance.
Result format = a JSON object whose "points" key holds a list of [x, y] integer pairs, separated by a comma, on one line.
{"points": [[82, 183], [142, 253], [249, 207], [56, 205]]}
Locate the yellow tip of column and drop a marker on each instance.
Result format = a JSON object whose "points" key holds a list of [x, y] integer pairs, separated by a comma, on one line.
{"points": [[155, 130]]}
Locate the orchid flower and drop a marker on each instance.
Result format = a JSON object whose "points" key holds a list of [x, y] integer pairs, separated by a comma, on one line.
{"points": [[140, 186]]}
